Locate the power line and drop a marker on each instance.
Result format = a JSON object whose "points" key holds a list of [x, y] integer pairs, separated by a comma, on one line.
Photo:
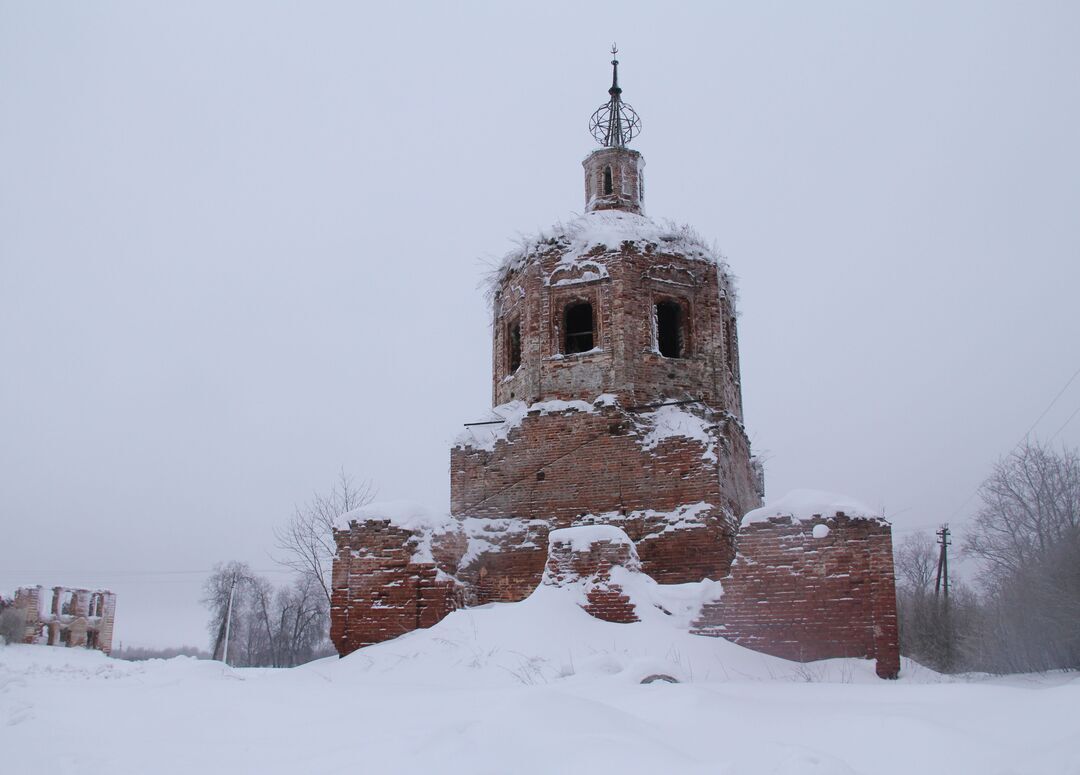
{"points": [[1048, 408], [1059, 430], [1038, 419], [83, 572]]}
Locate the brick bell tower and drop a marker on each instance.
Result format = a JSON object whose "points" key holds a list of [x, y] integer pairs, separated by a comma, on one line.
{"points": [[616, 388], [617, 402]]}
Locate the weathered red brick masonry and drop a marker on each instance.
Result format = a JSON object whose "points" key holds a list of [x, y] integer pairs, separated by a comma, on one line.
{"points": [[618, 401], [63, 616]]}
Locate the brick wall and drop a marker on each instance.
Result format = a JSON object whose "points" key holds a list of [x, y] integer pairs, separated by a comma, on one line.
{"points": [[575, 467], [793, 591], [379, 591], [585, 556], [802, 597]]}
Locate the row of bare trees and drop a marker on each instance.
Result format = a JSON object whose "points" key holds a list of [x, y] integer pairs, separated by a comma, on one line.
{"points": [[1025, 539], [265, 626], [260, 625]]}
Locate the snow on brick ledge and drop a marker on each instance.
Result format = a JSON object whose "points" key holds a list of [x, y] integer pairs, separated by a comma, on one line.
{"points": [[584, 557], [504, 418], [803, 505], [602, 234], [401, 514]]}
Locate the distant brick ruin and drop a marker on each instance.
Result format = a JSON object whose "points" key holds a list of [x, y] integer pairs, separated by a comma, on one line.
{"points": [[63, 616], [617, 402]]}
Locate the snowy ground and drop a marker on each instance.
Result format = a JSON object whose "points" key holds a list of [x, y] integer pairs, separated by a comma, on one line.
{"points": [[531, 687]]}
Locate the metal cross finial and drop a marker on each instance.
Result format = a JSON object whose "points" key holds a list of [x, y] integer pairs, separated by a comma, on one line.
{"points": [[614, 91], [615, 123]]}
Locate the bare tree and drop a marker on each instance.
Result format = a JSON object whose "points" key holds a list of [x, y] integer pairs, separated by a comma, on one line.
{"points": [[1027, 534], [12, 624], [269, 627], [228, 581], [1030, 504], [916, 562], [306, 542], [303, 618], [931, 630]]}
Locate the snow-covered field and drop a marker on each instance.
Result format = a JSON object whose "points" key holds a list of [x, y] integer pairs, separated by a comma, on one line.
{"points": [[531, 687]]}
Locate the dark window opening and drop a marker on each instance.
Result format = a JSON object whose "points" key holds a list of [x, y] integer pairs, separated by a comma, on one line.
{"points": [[669, 329], [608, 187], [578, 325], [540, 476], [91, 639], [515, 346]]}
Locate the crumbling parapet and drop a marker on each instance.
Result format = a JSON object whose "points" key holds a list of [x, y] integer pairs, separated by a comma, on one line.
{"points": [[383, 586], [812, 585], [66, 616], [400, 567], [586, 557]]}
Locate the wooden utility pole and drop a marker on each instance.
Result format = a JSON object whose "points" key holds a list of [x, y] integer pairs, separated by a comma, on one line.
{"points": [[942, 587], [228, 622], [943, 563]]}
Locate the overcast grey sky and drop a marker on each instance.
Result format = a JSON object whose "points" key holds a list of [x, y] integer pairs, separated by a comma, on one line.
{"points": [[240, 247]]}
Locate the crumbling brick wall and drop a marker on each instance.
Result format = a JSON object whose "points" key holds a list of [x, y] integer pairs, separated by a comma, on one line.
{"points": [[804, 590], [815, 589], [66, 616], [379, 591], [574, 467], [507, 563], [585, 556]]}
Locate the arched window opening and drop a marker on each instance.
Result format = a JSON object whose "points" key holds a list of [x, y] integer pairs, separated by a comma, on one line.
{"points": [[669, 334], [609, 188], [578, 328], [514, 346]]}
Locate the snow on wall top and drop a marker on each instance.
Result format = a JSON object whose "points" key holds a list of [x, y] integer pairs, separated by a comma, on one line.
{"points": [[676, 421], [607, 230], [402, 514], [807, 504], [581, 538], [685, 517], [505, 417]]}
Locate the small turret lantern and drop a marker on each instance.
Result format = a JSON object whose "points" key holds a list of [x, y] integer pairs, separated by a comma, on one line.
{"points": [[613, 173]]}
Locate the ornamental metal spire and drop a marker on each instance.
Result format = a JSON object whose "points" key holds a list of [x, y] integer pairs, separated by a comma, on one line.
{"points": [[615, 123]]}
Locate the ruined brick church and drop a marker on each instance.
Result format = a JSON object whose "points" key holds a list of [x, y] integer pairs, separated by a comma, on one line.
{"points": [[617, 402]]}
